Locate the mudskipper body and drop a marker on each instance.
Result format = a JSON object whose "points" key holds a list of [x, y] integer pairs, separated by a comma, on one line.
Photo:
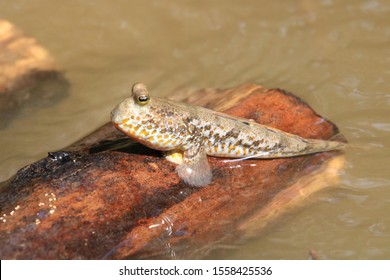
{"points": [[187, 134]]}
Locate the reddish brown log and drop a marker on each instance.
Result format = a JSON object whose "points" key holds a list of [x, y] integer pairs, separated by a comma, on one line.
{"points": [[108, 197]]}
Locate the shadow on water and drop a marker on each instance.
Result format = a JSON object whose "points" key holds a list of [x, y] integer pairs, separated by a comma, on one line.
{"points": [[51, 88]]}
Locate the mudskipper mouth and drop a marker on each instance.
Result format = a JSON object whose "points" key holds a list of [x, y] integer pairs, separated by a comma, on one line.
{"points": [[117, 115], [115, 120]]}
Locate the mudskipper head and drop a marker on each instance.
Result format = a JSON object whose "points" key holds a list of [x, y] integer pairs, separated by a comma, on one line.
{"points": [[148, 120], [132, 115], [132, 107]]}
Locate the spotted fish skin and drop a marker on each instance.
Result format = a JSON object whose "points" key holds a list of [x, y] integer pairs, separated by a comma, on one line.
{"points": [[193, 132]]}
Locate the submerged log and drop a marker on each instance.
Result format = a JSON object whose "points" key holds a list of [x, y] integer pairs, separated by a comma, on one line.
{"points": [[108, 197], [27, 73]]}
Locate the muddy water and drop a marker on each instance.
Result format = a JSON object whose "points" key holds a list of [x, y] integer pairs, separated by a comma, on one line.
{"points": [[333, 54]]}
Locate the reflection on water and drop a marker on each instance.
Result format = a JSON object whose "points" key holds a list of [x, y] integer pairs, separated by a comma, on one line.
{"points": [[50, 89], [335, 55]]}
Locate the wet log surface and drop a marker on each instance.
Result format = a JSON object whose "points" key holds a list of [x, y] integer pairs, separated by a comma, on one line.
{"points": [[28, 73], [107, 197]]}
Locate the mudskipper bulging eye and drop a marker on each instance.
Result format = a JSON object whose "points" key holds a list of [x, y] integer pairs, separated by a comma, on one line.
{"points": [[141, 94], [143, 99]]}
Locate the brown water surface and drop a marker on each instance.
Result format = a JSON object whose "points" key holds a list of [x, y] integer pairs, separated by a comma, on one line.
{"points": [[333, 54]]}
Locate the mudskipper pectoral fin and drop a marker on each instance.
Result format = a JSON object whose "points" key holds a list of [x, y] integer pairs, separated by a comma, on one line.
{"points": [[195, 171], [174, 156]]}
